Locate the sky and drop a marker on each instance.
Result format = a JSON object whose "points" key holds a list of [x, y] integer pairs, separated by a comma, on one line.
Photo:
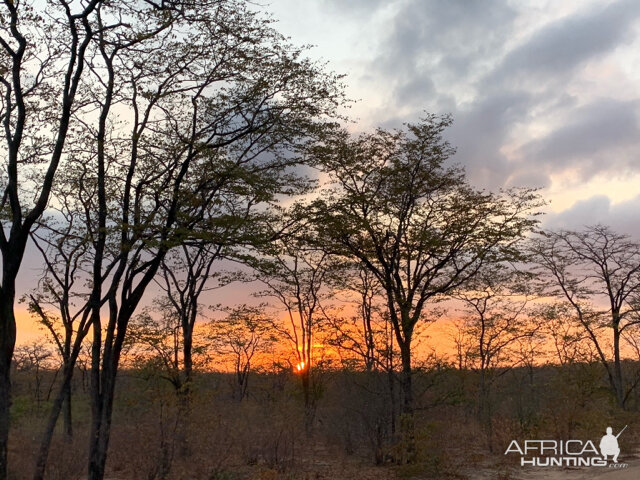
{"points": [[543, 93]]}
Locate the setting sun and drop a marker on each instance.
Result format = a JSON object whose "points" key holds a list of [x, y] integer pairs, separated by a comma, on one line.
{"points": [[300, 367]]}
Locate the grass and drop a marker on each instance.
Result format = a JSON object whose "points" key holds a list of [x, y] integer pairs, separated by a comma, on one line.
{"points": [[263, 437]]}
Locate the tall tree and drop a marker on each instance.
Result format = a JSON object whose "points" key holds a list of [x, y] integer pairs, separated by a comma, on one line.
{"points": [[217, 91], [596, 274], [60, 301], [297, 277], [363, 333], [42, 65], [219, 222], [144, 100], [414, 222], [366, 336]]}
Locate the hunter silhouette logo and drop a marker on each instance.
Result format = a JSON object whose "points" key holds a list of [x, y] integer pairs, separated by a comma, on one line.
{"points": [[569, 453], [609, 444]]}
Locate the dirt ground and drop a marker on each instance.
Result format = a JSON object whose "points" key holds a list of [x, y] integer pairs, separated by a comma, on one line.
{"points": [[631, 472]]}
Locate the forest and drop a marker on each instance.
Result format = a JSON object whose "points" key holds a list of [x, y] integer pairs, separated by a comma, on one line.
{"points": [[235, 282]]}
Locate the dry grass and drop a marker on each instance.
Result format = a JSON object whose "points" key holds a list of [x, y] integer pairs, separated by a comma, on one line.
{"points": [[263, 436]]}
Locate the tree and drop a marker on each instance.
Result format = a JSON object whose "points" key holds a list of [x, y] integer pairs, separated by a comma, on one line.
{"points": [[240, 336], [366, 338], [219, 91], [364, 334], [155, 342], [297, 276], [144, 100], [223, 230], [41, 68], [60, 301], [494, 325], [35, 358], [596, 273], [415, 223]]}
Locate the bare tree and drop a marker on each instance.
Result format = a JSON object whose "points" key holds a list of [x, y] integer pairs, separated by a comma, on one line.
{"points": [[60, 302], [244, 333], [184, 277], [495, 323], [366, 338], [569, 341], [596, 272], [363, 333], [35, 358]]}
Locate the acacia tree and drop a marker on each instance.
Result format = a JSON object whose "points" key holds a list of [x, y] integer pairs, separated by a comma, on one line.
{"points": [[241, 335], [41, 67], [184, 275], [363, 335], [495, 324], [218, 230], [296, 277], [568, 340], [367, 337], [59, 303], [217, 91], [596, 273], [104, 31], [414, 222], [35, 358]]}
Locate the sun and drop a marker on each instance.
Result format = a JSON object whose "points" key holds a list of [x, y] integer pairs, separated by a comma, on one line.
{"points": [[300, 367]]}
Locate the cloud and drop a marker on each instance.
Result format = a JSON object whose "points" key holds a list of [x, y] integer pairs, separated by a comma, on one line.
{"points": [[441, 42], [519, 113], [479, 132], [355, 8], [557, 49], [623, 217], [601, 135], [542, 93]]}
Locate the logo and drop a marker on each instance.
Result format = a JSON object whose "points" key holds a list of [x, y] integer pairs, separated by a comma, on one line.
{"points": [[569, 453]]}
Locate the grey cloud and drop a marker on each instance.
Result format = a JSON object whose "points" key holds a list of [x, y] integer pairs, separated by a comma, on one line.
{"points": [[530, 178], [481, 129], [600, 135], [354, 7], [623, 217], [432, 37], [418, 91], [560, 47], [432, 45]]}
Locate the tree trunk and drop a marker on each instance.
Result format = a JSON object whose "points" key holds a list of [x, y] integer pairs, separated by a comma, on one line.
{"points": [[618, 384], [309, 400], [392, 400], [7, 344], [68, 424], [407, 422], [484, 409], [63, 399], [187, 352], [101, 427], [103, 379], [5, 406], [183, 393]]}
